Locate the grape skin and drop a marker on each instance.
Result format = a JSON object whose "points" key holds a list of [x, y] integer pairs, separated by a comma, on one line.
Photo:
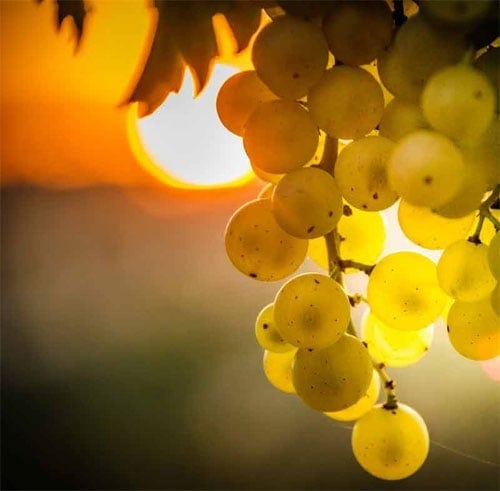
{"points": [[390, 444], [278, 369], [267, 334], [494, 256], [401, 118]]}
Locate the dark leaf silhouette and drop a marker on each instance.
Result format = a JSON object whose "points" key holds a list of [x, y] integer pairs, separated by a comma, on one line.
{"points": [[74, 9]]}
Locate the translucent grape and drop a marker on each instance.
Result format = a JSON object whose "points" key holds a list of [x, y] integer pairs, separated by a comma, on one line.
{"points": [[403, 291], [394, 347], [266, 333], [474, 329], [266, 176], [278, 369], [311, 311], [459, 101], [463, 14], [495, 299], [266, 192], [346, 103], [418, 50], [280, 136], [238, 97], [361, 173], [390, 444], [357, 32], [258, 247], [430, 230], [333, 378], [400, 118], [290, 55], [362, 406], [488, 230], [426, 168], [488, 63], [362, 237], [463, 271], [494, 256], [307, 202]]}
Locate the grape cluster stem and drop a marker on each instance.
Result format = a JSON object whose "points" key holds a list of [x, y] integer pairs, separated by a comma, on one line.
{"points": [[485, 212]]}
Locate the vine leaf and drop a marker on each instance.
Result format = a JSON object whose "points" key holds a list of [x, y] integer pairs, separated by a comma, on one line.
{"points": [[74, 9]]}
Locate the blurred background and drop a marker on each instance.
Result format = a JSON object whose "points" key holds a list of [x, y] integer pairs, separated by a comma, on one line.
{"points": [[128, 354]]}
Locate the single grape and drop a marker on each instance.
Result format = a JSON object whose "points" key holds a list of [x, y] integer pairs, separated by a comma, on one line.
{"points": [[347, 102], [290, 56], [266, 192], [333, 378], [258, 247], [278, 369], [461, 14], [403, 291], [361, 173], [494, 256], [394, 347], [266, 176], [362, 238], [280, 136], [430, 230], [307, 202], [362, 406], [426, 168], [495, 299], [474, 329], [238, 97], [459, 102], [311, 311], [357, 32], [488, 63], [266, 333], [401, 118], [390, 443]]}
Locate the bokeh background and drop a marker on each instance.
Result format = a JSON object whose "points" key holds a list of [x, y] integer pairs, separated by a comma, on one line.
{"points": [[128, 354]]}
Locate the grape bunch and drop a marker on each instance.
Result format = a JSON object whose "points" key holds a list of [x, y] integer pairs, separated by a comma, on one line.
{"points": [[354, 107]]}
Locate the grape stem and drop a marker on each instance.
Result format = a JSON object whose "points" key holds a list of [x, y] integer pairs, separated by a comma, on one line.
{"points": [[485, 212], [349, 263], [399, 13], [329, 156], [391, 401]]}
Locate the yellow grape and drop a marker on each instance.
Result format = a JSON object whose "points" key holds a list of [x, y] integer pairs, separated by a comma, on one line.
{"points": [[346, 103], [362, 235], [401, 118], [280, 136], [463, 271], [361, 173], [290, 55], [266, 192], [278, 369], [459, 102], [417, 51], [474, 329], [494, 256], [463, 14], [430, 230], [357, 32], [307, 202], [238, 97], [311, 311], [390, 444], [266, 176], [394, 347], [426, 168], [488, 230], [403, 291], [495, 299], [266, 333], [371, 68], [488, 63], [362, 406], [333, 378], [258, 247]]}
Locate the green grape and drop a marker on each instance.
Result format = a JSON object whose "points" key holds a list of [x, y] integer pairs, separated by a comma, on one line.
{"points": [[258, 247], [290, 56], [280, 136], [403, 291], [307, 203], [463, 14], [346, 103], [311, 311], [394, 347], [278, 369], [495, 299], [362, 238], [426, 168], [463, 271], [390, 443], [400, 118], [361, 173], [488, 63], [459, 101], [238, 97], [430, 230], [333, 378], [474, 329], [494, 256], [362, 406], [418, 50], [267, 334], [357, 32]]}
